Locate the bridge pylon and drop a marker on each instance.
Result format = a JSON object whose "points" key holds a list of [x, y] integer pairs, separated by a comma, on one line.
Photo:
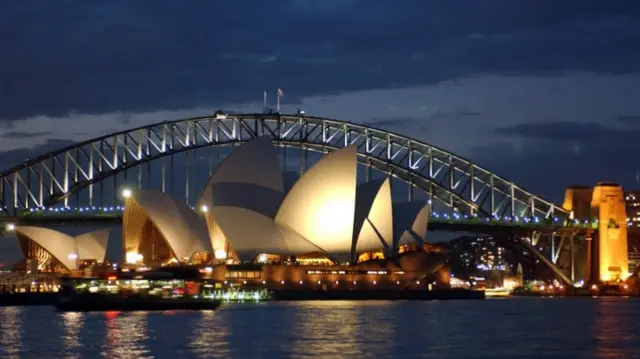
{"points": [[601, 250]]}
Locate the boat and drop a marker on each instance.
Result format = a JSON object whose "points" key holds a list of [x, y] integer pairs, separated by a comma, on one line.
{"points": [[497, 293], [167, 289], [94, 302]]}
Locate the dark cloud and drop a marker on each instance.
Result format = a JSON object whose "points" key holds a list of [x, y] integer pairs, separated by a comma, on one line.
{"points": [[551, 156], [22, 134], [570, 131], [391, 122], [16, 157], [467, 113], [629, 119], [145, 55]]}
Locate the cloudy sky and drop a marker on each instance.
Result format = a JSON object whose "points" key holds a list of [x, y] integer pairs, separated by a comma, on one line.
{"points": [[543, 92]]}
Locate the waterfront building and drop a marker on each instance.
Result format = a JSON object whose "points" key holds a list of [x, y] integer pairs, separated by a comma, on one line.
{"points": [[632, 199], [251, 227]]}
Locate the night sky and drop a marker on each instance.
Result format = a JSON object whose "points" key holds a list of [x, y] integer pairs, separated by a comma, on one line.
{"points": [[543, 92]]}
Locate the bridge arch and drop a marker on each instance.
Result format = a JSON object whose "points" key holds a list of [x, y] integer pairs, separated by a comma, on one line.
{"points": [[52, 178]]}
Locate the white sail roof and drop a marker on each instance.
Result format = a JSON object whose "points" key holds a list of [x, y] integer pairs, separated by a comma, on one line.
{"points": [[321, 205], [184, 231], [93, 245], [411, 220], [251, 233], [65, 248], [249, 178], [373, 224]]}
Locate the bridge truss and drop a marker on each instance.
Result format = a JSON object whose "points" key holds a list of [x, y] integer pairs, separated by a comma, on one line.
{"points": [[52, 179]]}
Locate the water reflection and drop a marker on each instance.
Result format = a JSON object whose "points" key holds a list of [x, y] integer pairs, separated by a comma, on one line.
{"points": [[518, 328], [70, 339], [10, 336], [209, 337], [346, 329], [614, 328], [126, 336]]}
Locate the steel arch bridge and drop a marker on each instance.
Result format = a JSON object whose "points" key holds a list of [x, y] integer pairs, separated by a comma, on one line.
{"points": [[51, 179]]}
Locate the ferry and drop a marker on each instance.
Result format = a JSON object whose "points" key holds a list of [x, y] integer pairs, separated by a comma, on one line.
{"points": [[108, 302], [137, 291]]}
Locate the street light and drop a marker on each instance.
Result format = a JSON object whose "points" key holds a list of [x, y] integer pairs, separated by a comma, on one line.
{"points": [[126, 193], [10, 227], [204, 208]]}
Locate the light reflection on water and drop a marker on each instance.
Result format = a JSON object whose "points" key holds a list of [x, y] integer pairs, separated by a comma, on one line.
{"points": [[70, 338], [514, 328], [10, 325], [126, 336]]}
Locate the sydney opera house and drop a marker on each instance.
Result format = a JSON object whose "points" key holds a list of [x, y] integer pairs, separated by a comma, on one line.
{"points": [[250, 227]]}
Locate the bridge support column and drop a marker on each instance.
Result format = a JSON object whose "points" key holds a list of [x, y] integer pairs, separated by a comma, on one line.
{"points": [[611, 242]]}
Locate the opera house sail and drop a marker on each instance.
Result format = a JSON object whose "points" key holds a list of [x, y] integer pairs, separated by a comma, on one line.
{"points": [[255, 222], [373, 224], [411, 220], [53, 251], [240, 201], [321, 205], [245, 209], [158, 228]]}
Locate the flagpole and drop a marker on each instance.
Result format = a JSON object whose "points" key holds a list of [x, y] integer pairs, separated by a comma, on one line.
{"points": [[265, 100], [278, 101]]}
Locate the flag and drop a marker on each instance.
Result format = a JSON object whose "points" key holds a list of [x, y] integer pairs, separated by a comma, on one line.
{"points": [[280, 93]]}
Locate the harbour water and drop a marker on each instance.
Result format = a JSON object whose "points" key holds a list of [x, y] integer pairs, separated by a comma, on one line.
{"points": [[499, 328]]}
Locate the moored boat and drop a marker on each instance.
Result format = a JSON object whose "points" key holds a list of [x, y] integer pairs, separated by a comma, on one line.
{"points": [[174, 289], [90, 302]]}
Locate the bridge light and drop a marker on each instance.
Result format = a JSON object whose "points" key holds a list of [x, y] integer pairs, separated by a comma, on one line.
{"points": [[204, 208], [126, 193], [10, 227]]}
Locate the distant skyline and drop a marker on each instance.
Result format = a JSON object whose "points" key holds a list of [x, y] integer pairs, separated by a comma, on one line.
{"points": [[544, 93]]}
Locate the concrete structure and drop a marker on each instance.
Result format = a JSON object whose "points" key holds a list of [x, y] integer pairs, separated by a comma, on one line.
{"points": [[323, 218], [321, 205], [156, 227], [603, 256], [246, 187], [611, 251], [55, 251], [409, 270], [577, 201], [372, 228]]}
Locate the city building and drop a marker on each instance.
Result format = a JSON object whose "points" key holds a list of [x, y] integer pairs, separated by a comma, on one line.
{"points": [[632, 199]]}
